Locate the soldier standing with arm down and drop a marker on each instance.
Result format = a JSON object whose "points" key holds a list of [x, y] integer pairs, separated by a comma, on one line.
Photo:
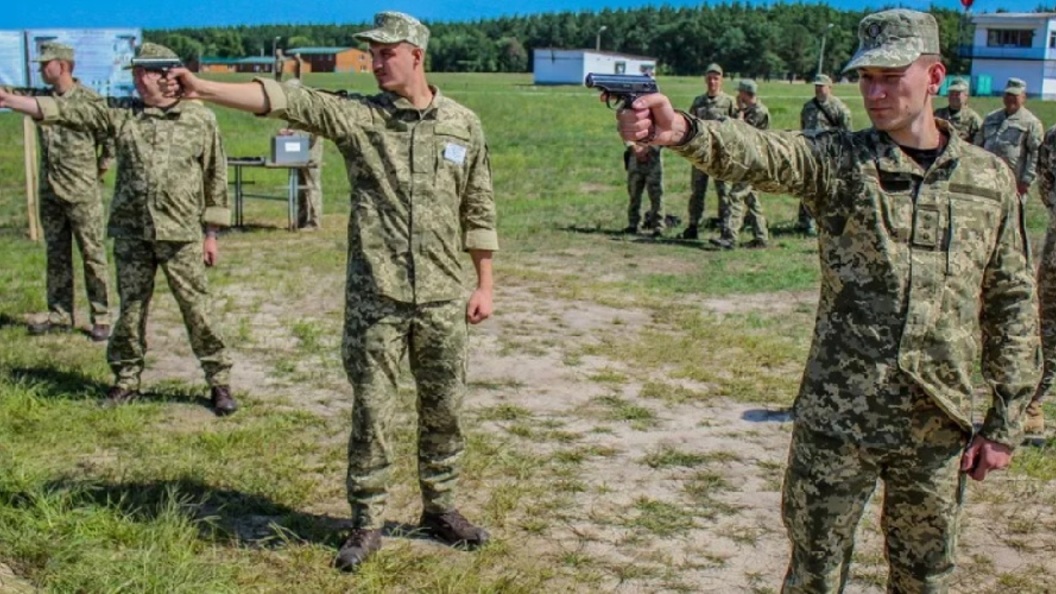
{"points": [[1035, 420], [824, 112], [923, 257], [963, 118], [742, 196], [645, 172], [421, 194], [71, 207], [171, 187], [712, 105], [1014, 134]]}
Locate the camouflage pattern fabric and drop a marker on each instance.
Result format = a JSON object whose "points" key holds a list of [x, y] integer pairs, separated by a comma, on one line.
{"points": [[709, 108], [137, 265], [421, 194], [832, 114], [71, 210], [310, 187], [171, 167], [743, 200], [645, 175], [394, 27], [918, 268], [830, 478], [966, 121], [1047, 265], [1015, 138], [894, 38], [378, 332]]}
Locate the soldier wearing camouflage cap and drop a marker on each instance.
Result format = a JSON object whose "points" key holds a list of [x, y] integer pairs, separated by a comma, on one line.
{"points": [[171, 187], [1014, 134], [924, 256], [422, 196], [72, 163], [964, 119], [824, 112], [713, 104], [744, 205]]}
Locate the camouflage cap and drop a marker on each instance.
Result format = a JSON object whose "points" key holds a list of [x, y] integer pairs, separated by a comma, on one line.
{"points": [[822, 79], [1015, 86], [748, 86], [51, 50], [894, 38], [958, 84], [713, 67], [152, 51], [394, 27]]}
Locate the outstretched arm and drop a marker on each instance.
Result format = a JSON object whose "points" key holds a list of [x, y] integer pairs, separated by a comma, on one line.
{"points": [[21, 104], [180, 82]]}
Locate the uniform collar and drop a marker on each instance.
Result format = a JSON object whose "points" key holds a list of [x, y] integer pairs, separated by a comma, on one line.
{"points": [[401, 103], [891, 159]]}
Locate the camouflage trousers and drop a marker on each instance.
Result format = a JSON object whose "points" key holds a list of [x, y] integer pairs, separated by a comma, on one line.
{"points": [[309, 197], [643, 179], [378, 332], [65, 222], [1047, 312], [744, 207], [137, 264], [698, 189], [830, 478]]}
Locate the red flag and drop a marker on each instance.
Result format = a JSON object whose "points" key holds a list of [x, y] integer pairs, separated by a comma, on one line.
{"points": [[967, 4]]}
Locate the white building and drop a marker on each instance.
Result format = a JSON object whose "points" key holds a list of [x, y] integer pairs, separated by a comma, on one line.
{"points": [[1020, 45], [553, 66]]}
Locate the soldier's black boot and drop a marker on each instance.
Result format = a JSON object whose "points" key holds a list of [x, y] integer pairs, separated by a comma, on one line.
{"points": [[690, 232], [452, 528], [358, 547], [117, 396], [222, 400]]}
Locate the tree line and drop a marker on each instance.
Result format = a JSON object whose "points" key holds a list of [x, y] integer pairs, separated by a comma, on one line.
{"points": [[757, 41]]}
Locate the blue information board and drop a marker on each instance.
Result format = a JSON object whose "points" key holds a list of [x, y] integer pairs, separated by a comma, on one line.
{"points": [[13, 59], [100, 56]]}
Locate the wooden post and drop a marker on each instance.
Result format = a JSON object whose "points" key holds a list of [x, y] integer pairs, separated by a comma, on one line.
{"points": [[29, 138]]}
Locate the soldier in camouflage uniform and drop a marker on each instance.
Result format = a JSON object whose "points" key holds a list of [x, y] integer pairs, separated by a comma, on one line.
{"points": [[824, 112], [645, 172], [171, 183], [742, 197], [963, 118], [71, 206], [1035, 421], [1014, 134], [421, 194], [712, 105], [924, 257]]}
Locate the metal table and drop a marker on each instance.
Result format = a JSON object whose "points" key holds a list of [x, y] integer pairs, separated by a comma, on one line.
{"points": [[240, 163]]}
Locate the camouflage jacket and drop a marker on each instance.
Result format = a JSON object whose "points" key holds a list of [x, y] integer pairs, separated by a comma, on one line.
{"points": [[1015, 138], [70, 160], [714, 108], [171, 167], [965, 121], [421, 187], [833, 114], [1047, 171], [916, 266], [758, 116]]}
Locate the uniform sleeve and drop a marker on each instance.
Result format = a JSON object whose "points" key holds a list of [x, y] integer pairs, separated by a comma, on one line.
{"points": [[330, 116], [772, 161], [845, 113], [104, 143], [803, 117], [87, 115], [1011, 356], [1046, 169], [477, 212], [214, 179], [978, 139], [1030, 152]]}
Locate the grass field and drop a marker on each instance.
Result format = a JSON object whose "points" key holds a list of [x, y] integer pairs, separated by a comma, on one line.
{"points": [[626, 409]]}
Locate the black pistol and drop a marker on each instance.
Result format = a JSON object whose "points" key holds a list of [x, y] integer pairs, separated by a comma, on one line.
{"points": [[162, 65], [624, 88]]}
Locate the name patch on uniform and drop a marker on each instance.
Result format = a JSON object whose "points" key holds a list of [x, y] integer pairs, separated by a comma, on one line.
{"points": [[456, 153]]}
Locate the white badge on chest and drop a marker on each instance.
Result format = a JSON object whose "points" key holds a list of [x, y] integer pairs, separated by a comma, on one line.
{"points": [[456, 153]]}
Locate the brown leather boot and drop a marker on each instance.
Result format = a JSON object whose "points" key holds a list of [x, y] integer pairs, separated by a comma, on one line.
{"points": [[454, 529], [1034, 422], [358, 547], [222, 400]]}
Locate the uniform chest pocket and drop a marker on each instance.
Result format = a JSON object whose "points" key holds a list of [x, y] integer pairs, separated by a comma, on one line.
{"points": [[1011, 135], [452, 150], [975, 215]]}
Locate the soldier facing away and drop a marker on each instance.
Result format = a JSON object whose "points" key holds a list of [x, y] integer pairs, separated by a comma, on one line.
{"points": [[744, 205], [71, 204], [421, 194], [712, 105], [923, 253], [964, 119], [824, 112], [1014, 134], [645, 173], [171, 186]]}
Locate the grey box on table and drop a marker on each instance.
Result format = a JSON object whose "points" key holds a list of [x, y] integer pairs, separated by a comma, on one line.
{"points": [[289, 149]]}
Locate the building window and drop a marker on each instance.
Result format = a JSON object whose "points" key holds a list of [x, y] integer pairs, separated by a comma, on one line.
{"points": [[621, 67], [1009, 38], [1052, 39]]}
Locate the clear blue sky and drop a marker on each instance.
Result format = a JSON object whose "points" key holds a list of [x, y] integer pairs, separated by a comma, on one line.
{"points": [[164, 14]]}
